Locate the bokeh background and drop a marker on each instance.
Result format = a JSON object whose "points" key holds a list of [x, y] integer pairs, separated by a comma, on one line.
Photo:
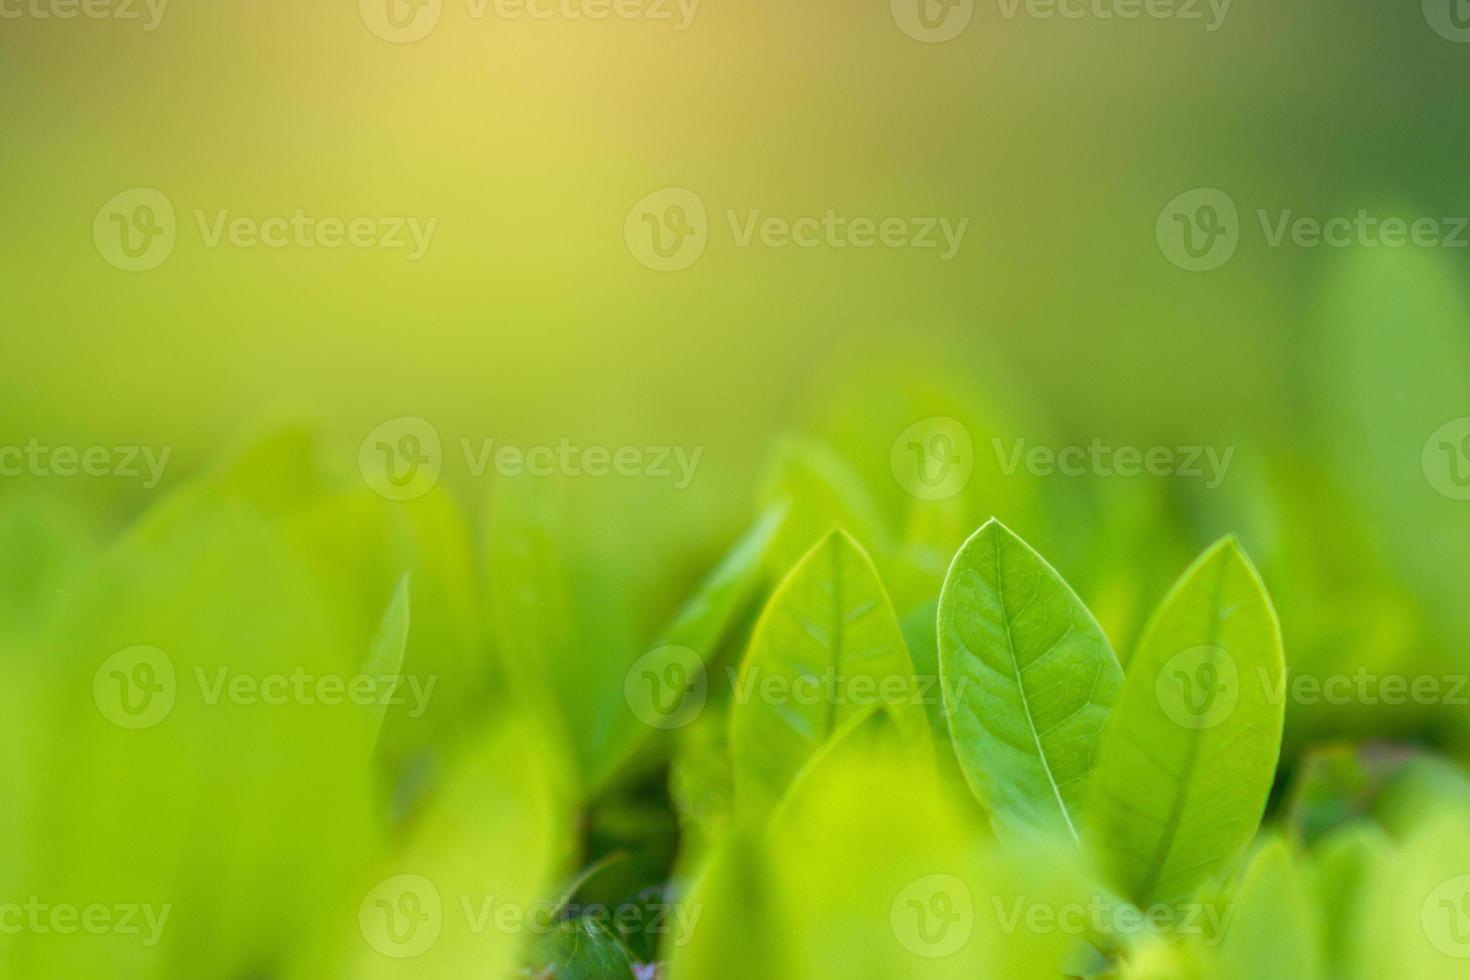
{"points": [[1330, 373]]}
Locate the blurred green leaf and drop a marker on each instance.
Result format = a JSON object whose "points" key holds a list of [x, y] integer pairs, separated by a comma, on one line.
{"points": [[1189, 755], [827, 648], [1273, 931]]}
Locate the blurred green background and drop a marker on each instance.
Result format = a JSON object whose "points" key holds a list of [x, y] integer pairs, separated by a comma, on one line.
{"points": [[1328, 372]]}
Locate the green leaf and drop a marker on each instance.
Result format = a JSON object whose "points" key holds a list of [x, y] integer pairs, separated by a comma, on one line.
{"points": [[1273, 931], [864, 895], [581, 949], [1028, 681], [1347, 863], [385, 658], [827, 649], [698, 629], [1415, 920], [493, 837], [1189, 755]]}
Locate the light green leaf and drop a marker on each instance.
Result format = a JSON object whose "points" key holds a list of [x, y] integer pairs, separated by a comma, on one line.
{"points": [[1416, 920], [827, 648], [1028, 681], [1273, 931], [1347, 863], [385, 658], [696, 632], [492, 837], [1190, 752]]}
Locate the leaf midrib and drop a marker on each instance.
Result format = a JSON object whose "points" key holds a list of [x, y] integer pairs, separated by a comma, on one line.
{"points": [[1051, 778], [838, 626], [1191, 759]]}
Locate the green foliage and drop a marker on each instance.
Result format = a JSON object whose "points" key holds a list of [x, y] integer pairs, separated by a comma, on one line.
{"points": [[1191, 750], [846, 741], [1028, 681]]}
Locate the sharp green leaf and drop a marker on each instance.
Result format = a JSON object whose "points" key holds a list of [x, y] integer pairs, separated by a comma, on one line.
{"points": [[1190, 751], [1028, 681]]}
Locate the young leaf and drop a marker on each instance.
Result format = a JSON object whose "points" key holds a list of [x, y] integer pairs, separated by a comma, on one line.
{"points": [[826, 648], [385, 659], [1273, 932], [1028, 681], [1189, 754], [1346, 864]]}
